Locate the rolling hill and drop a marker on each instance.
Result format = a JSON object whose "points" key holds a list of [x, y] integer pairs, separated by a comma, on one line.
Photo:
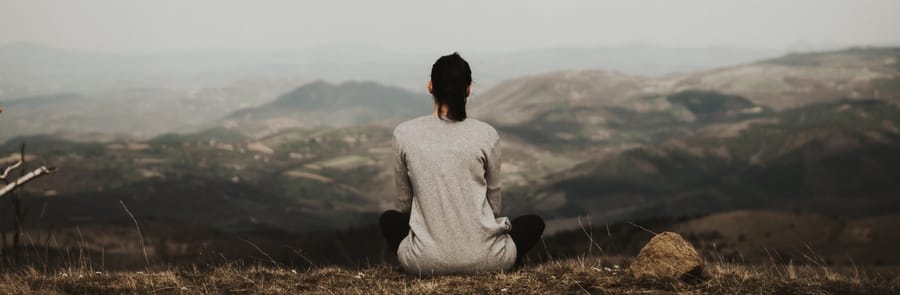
{"points": [[590, 108], [321, 103], [837, 158]]}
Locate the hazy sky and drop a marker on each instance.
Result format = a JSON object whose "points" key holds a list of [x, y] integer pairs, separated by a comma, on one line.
{"points": [[416, 25]]}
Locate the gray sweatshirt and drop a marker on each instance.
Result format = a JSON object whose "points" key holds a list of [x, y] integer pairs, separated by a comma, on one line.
{"points": [[448, 177]]}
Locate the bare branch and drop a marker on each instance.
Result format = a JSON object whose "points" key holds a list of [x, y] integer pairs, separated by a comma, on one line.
{"points": [[43, 170], [10, 168]]}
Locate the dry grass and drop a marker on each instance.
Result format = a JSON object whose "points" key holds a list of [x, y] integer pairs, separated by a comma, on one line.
{"points": [[585, 274], [576, 276]]}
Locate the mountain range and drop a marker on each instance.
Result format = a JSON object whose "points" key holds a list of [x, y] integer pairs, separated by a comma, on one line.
{"points": [[814, 132]]}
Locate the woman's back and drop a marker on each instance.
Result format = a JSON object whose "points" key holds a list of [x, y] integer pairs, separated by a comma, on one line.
{"points": [[448, 176], [447, 172]]}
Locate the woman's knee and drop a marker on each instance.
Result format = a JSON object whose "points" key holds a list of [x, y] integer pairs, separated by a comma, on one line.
{"points": [[531, 220], [392, 217], [387, 215]]}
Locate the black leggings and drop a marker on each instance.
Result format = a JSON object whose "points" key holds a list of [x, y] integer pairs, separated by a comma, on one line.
{"points": [[526, 231]]}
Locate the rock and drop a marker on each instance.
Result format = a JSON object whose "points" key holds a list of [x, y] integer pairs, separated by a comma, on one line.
{"points": [[668, 256]]}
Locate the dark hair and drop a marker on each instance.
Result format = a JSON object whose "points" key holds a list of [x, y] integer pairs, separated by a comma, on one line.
{"points": [[450, 76]]}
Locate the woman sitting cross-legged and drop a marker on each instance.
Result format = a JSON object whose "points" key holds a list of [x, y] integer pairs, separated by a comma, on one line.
{"points": [[447, 170]]}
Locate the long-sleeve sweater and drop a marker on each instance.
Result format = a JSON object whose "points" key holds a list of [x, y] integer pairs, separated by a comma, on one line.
{"points": [[448, 177]]}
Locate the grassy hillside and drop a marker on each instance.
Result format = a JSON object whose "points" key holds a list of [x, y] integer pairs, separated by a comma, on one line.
{"points": [[296, 180], [838, 158], [570, 276], [612, 146]]}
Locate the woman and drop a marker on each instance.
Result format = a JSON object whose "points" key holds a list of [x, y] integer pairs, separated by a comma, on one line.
{"points": [[447, 171]]}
